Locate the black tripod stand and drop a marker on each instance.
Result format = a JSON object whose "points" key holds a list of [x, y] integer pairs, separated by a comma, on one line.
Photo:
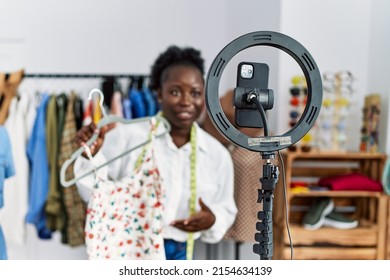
{"points": [[268, 181]]}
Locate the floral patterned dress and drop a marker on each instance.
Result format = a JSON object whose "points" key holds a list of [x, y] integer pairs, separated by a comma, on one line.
{"points": [[124, 218]]}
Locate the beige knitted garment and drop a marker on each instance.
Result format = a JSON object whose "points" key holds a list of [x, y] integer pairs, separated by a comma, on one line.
{"points": [[247, 172]]}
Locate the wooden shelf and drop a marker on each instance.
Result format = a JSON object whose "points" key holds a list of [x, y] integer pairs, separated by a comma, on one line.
{"points": [[328, 253], [336, 194], [360, 236], [334, 155]]}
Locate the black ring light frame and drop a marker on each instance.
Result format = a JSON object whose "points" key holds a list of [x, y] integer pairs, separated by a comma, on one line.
{"points": [[314, 85]]}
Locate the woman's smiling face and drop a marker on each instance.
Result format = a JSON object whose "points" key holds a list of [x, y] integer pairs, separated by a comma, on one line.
{"points": [[181, 95]]}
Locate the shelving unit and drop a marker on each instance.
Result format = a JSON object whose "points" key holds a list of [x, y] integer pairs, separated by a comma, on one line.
{"points": [[368, 240]]}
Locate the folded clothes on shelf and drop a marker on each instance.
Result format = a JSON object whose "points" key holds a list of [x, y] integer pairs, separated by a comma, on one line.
{"points": [[351, 182]]}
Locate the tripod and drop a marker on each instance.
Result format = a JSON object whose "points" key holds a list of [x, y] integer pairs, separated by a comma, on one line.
{"points": [[268, 181]]}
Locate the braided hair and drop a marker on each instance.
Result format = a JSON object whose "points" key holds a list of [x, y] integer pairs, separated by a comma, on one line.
{"points": [[174, 56]]}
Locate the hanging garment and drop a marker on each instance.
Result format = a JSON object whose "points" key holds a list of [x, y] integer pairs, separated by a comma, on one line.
{"points": [[6, 170], [116, 104], [31, 113], [149, 101], [124, 218], [138, 109], [62, 103], [3, 248], [75, 208], [54, 209], [116, 108], [78, 112], [6, 161], [39, 172], [126, 104], [88, 113], [12, 215]]}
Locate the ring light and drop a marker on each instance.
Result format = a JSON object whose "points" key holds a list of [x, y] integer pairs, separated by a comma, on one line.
{"points": [[314, 87]]}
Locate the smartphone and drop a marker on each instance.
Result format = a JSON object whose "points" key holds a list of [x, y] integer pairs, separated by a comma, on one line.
{"points": [[250, 75]]}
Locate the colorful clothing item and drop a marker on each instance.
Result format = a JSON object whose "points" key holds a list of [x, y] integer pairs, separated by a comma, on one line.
{"points": [[124, 218], [126, 103], [6, 170], [78, 112], [150, 103], [3, 248], [247, 171], [12, 215], [73, 230], [138, 108], [53, 208], [39, 172]]}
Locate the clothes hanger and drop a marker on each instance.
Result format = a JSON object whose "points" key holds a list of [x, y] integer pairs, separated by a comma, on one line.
{"points": [[107, 119]]}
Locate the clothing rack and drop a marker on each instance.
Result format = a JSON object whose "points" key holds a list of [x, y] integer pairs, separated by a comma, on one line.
{"points": [[109, 84]]}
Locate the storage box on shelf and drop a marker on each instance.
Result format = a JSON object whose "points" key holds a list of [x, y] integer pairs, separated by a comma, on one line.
{"points": [[368, 240]]}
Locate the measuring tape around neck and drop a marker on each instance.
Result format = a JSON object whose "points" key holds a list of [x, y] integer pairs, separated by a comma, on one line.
{"points": [[192, 204], [190, 239]]}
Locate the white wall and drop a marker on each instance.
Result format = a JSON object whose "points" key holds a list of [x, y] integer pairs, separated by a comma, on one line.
{"points": [[120, 36], [337, 35], [116, 36], [379, 65]]}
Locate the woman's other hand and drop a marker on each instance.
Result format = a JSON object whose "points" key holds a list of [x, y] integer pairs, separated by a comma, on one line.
{"points": [[202, 220]]}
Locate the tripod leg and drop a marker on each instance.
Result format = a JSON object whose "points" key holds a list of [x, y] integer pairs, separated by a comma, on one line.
{"points": [[264, 237]]}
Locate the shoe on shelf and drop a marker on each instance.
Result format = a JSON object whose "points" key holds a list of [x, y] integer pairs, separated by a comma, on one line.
{"points": [[340, 221], [315, 217]]}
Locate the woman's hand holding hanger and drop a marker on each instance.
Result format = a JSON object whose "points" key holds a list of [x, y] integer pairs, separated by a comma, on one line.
{"points": [[85, 133]]}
